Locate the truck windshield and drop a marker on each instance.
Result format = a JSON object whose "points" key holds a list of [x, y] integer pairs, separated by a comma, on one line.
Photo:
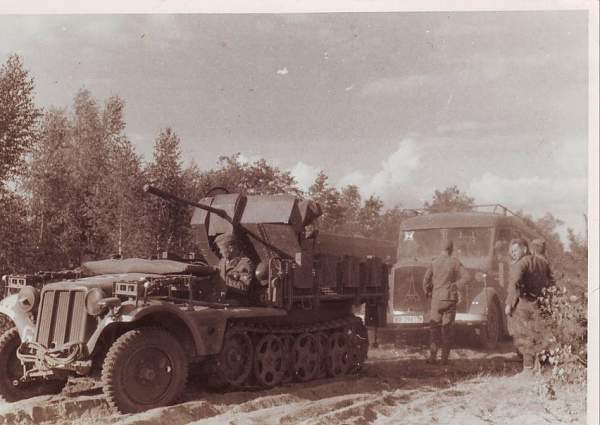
{"points": [[423, 244]]}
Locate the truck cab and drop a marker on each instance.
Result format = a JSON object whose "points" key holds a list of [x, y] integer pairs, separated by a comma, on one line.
{"points": [[481, 240]]}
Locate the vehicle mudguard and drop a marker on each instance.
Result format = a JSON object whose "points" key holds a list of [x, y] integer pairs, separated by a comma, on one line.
{"points": [[485, 298], [480, 303], [23, 321]]}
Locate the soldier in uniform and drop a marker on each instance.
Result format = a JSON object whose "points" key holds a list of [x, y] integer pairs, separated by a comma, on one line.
{"points": [[442, 282], [235, 269], [530, 274]]}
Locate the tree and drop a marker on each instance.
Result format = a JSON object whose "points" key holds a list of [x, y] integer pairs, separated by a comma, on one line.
{"points": [[328, 198], [450, 200], [250, 178], [167, 224], [18, 116]]}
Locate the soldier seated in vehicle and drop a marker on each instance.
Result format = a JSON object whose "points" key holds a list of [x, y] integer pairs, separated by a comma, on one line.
{"points": [[235, 269]]}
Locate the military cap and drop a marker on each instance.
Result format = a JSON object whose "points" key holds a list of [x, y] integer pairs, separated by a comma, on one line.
{"points": [[539, 245], [520, 241], [224, 239]]}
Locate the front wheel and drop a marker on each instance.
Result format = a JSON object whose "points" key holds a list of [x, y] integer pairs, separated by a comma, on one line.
{"points": [[144, 368], [11, 370], [491, 333]]}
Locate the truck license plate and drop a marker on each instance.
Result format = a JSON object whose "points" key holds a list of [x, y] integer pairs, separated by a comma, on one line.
{"points": [[408, 319]]}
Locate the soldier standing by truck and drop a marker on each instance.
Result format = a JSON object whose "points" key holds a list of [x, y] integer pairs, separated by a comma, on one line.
{"points": [[442, 281], [530, 275]]}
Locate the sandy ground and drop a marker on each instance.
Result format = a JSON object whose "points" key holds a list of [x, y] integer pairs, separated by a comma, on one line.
{"points": [[395, 387]]}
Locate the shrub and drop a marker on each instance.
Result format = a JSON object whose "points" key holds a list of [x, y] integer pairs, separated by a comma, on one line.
{"points": [[565, 314]]}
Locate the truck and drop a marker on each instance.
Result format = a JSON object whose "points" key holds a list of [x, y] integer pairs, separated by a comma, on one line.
{"points": [[140, 325], [481, 239]]}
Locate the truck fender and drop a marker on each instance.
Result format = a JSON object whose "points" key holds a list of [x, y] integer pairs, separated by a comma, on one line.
{"points": [[23, 321], [481, 301]]}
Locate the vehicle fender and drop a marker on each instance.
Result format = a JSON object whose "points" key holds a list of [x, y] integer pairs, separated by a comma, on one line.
{"points": [[130, 314], [480, 303], [23, 321]]}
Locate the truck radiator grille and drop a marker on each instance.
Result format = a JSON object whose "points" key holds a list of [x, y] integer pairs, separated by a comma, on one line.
{"points": [[62, 318]]}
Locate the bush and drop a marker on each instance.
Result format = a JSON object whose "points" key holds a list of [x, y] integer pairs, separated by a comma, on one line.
{"points": [[565, 352]]}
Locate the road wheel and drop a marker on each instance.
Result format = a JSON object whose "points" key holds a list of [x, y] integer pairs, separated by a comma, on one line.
{"points": [[322, 339], [234, 362], [270, 363], [288, 345], [339, 356], [11, 370], [306, 355], [144, 368], [492, 332]]}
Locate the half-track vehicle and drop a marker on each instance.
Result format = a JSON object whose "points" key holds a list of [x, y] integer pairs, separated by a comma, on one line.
{"points": [[481, 240], [140, 325]]}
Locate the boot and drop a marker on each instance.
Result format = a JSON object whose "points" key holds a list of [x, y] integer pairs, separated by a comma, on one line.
{"points": [[432, 353], [445, 355]]}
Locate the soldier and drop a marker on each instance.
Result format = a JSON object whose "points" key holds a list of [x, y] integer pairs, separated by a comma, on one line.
{"points": [[235, 269], [442, 282], [529, 275]]}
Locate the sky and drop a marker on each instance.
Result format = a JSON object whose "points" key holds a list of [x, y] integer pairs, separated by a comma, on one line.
{"points": [[398, 103]]}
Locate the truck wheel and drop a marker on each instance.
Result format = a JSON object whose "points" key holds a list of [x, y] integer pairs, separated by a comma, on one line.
{"points": [[11, 370], [144, 368], [492, 332]]}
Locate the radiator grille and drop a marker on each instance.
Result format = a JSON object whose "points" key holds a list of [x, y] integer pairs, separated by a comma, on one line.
{"points": [[408, 289], [62, 318]]}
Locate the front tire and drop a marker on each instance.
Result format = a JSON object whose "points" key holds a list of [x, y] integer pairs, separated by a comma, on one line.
{"points": [[143, 369], [492, 332], [11, 370]]}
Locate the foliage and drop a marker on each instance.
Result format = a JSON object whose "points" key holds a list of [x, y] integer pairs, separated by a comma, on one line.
{"points": [[167, 224], [18, 116], [452, 199], [566, 332], [250, 178]]}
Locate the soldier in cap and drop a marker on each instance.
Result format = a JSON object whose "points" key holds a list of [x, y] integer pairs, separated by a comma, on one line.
{"points": [[235, 269], [442, 282], [529, 275]]}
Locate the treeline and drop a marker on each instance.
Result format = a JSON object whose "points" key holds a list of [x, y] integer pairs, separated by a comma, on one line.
{"points": [[71, 187]]}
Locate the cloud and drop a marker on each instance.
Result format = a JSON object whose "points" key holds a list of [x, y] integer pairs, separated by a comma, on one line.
{"points": [[304, 174], [565, 198], [283, 71], [390, 180]]}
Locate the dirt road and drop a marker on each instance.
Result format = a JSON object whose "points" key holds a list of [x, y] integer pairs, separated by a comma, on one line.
{"points": [[395, 387]]}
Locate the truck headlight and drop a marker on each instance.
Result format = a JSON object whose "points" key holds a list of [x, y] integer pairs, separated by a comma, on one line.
{"points": [[28, 298], [480, 277], [92, 298]]}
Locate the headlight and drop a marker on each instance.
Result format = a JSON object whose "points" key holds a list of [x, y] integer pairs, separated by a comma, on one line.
{"points": [[480, 277], [28, 298], [262, 271], [5, 278], [91, 301]]}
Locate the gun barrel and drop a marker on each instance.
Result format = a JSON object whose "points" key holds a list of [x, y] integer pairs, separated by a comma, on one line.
{"points": [[173, 198]]}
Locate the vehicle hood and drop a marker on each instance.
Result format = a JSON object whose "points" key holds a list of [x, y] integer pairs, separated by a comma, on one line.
{"points": [[104, 282]]}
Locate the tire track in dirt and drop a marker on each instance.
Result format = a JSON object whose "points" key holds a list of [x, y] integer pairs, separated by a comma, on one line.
{"points": [[397, 386]]}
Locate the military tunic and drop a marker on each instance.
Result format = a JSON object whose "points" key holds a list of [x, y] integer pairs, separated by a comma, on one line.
{"points": [[442, 281], [236, 274], [528, 277]]}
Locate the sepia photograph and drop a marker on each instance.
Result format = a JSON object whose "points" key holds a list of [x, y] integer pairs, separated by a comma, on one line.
{"points": [[346, 214]]}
